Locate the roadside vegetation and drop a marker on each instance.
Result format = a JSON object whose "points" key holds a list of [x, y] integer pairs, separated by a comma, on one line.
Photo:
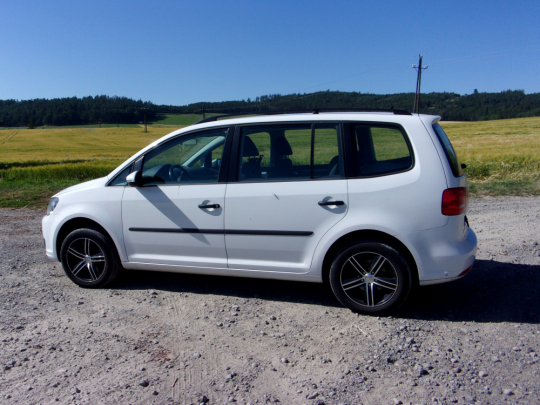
{"points": [[502, 156]]}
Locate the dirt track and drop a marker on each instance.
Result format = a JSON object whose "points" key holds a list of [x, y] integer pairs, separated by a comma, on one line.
{"points": [[170, 338]]}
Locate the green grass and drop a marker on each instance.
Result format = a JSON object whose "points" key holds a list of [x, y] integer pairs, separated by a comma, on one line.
{"points": [[32, 186], [523, 188], [178, 119], [62, 171], [32, 194], [80, 126]]}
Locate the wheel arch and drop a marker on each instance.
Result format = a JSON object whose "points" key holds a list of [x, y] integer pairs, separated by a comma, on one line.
{"points": [[77, 223], [371, 235]]}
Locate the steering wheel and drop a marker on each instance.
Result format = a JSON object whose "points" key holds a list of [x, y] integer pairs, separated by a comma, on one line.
{"points": [[177, 172]]}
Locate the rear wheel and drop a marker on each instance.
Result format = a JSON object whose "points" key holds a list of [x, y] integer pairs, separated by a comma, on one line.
{"points": [[89, 258], [370, 277]]}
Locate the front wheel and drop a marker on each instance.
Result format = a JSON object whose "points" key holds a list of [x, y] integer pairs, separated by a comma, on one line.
{"points": [[370, 277], [89, 258]]}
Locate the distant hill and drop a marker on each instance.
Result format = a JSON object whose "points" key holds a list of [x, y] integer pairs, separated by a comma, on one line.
{"points": [[122, 110]]}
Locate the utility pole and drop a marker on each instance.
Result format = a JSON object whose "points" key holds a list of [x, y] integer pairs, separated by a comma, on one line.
{"points": [[144, 109], [203, 115], [419, 68]]}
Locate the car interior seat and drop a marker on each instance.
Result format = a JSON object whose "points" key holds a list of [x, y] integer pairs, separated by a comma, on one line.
{"points": [[334, 168], [283, 166], [366, 159], [252, 168]]}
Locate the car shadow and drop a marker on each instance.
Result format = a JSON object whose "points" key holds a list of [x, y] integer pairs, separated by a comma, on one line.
{"points": [[492, 292], [239, 287]]}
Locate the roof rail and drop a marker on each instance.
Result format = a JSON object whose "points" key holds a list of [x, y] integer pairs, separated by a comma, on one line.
{"points": [[308, 110]]}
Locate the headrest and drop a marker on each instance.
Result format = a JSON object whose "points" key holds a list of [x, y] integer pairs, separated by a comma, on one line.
{"points": [[283, 147], [249, 149]]}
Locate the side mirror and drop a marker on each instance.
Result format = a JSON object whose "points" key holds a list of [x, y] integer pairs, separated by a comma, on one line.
{"points": [[134, 179]]}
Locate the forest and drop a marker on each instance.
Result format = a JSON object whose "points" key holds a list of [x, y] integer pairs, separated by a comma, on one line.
{"points": [[477, 106]]}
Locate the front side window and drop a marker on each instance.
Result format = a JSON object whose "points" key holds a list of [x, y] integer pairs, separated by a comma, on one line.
{"points": [[380, 150], [290, 152], [192, 158], [120, 179]]}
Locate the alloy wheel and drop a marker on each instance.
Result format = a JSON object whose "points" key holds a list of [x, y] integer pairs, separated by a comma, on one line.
{"points": [[85, 260], [369, 279]]}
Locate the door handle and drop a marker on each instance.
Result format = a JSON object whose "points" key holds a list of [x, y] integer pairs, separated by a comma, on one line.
{"points": [[202, 207], [324, 203]]}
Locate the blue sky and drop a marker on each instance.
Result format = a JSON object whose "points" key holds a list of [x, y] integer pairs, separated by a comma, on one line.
{"points": [[178, 52]]}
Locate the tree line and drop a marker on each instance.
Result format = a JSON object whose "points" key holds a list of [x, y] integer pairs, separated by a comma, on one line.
{"points": [[121, 110], [73, 111]]}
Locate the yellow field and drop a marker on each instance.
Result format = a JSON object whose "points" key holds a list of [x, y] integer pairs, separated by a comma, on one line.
{"points": [[498, 150], [54, 145]]}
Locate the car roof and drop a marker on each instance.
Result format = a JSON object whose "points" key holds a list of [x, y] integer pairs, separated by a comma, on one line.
{"points": [[307, 117]]}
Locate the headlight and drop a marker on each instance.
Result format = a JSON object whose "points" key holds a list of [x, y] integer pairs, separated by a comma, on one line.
{"points": [[52, 205]]}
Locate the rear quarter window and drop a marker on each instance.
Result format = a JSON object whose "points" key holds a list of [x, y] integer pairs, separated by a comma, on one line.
{"points": [[380, 150], [449, 151]]}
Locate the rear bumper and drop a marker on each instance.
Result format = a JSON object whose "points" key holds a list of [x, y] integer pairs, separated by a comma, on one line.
{"points": [[441, 259], [443, 280]]}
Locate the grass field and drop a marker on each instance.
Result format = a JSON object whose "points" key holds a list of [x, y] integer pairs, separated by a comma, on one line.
{"points": [[178, 119], [64, 144], [502, 157]]}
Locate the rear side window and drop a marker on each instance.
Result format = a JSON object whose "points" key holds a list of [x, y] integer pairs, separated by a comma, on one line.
{"points": [[380, 150], [290, 152], [451, 155]]}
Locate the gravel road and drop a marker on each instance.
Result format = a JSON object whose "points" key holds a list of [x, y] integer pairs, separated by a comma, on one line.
{"points": [[181, 339]]}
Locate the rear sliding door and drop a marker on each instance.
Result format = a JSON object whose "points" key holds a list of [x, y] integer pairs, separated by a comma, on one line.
{"points": [[290, 191]]}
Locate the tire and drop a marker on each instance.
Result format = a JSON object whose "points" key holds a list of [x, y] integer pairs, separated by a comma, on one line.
{"points": [[90, 258], [388, 280]]}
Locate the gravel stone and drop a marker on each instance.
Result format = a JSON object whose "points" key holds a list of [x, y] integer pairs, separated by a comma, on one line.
{"points": [[313, 396]]}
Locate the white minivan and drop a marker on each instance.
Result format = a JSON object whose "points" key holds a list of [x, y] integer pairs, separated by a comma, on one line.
{"points": [[373, 202]]}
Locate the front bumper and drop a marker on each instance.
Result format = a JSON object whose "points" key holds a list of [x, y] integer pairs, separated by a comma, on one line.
{"points": [[49, 225]]}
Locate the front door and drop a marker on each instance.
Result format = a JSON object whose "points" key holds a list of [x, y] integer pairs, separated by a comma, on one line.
{"points": [[290, 192], [176, 216]]}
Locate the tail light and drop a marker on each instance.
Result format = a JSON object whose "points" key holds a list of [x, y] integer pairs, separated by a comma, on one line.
{"points": [[454, 201], [465, 271]]}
